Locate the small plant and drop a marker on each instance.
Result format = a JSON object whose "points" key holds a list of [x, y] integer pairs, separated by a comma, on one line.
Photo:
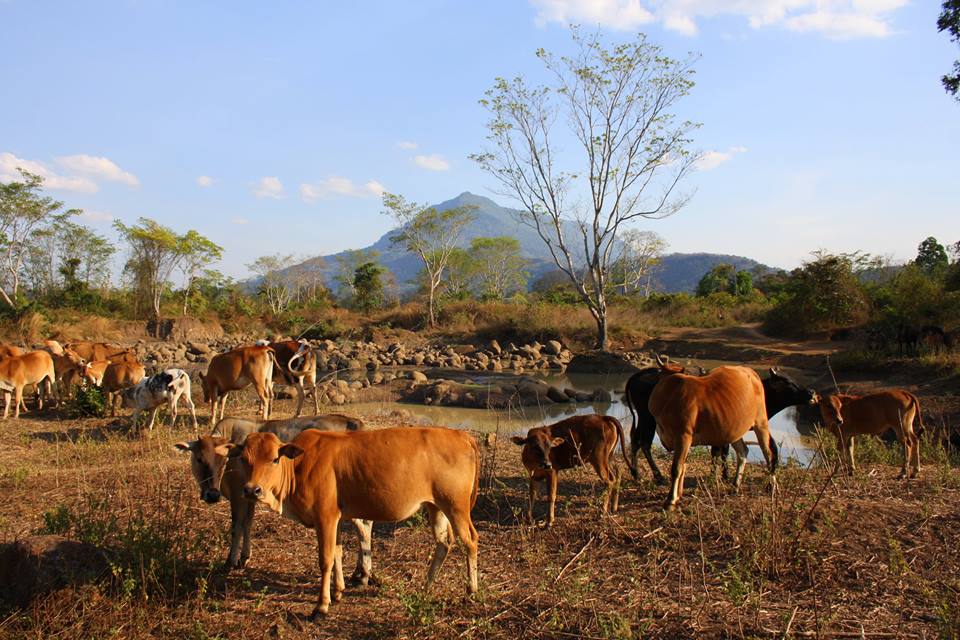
{"points": [[17, 478], [88, 403], [896, 562], [421, 608], [56, 521]]}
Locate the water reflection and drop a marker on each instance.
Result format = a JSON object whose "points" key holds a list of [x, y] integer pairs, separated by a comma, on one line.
{"points": [[790, 427]]}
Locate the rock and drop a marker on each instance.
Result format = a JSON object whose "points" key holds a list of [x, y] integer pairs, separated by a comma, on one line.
{"points": [[418, 376], [495, 347], [342, 385], [199, 348], [601, 395], [490, 439], [40, 564], [553, 348], [356, 385], [600, 362], [555, 394]]}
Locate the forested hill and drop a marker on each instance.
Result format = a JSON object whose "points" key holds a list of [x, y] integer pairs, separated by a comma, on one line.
{"points": [[680, 271]]}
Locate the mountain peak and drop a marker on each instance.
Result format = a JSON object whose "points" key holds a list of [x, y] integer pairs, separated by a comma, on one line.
{"points": [[467, 199]]}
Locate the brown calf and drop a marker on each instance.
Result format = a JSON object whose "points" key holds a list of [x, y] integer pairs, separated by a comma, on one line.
{"points": [[570, 443], [848, 416], [234, 370], [385, 476], [92, 351], [118, 376], [16, 372]]}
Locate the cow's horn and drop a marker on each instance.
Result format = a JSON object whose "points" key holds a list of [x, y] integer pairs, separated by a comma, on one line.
{"points": [[662, 360]]}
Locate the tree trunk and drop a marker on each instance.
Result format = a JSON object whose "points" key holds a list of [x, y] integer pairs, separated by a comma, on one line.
{"points": [[603, 340], [432, 319]]}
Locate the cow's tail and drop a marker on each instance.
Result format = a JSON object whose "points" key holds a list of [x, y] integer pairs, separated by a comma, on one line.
{"points": [[916, 405], [623, 444]]}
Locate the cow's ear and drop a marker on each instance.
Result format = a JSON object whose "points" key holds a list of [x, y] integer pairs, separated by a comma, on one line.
{"points": [[235, 451], [290, 451], [224, 449], [556, 442], [187, 446], [520, 440]]}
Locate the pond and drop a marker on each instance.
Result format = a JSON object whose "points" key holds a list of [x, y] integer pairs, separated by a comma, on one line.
{"points": [[791, 428]]}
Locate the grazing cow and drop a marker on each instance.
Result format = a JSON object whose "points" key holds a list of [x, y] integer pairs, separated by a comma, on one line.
{"points": [[234, 370], [287, 353], [384, 476], [567, 444], [716, 409], [67, 366], [217, 475], [116, 377], [907, 339], [93, 372], [92, 351], [780, 392], [848, 416], [35, 367], [156, 391]]}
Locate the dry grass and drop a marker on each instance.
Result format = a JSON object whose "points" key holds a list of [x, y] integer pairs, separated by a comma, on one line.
{"points": [[825, 556]]}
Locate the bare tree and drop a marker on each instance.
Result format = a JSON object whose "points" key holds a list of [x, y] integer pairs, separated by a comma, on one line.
{"points": [[617, 103], [641, 252], [432, 235], [276, 283]]}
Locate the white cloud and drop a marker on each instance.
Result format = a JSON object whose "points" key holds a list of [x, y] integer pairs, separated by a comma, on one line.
{"points": [[837, 19], [269, 187], [240, 221], [98, 167], [96, 216], [713, 159], [406, 144], [52, 180], [204, 181], [434, 162], [338, 186]]}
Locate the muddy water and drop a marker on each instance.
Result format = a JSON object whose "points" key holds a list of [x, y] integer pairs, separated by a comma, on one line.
{"points": [[787, 426]]}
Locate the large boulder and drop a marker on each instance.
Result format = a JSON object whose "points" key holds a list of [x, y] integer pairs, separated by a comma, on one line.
{"points": [[600, 362], [40, 564]]}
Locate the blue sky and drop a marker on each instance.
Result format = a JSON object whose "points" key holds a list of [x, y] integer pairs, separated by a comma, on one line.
{"points": [[273, 126]]}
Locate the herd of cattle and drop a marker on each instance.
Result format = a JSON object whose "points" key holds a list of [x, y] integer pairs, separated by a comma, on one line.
{"points": [[322, 469]]}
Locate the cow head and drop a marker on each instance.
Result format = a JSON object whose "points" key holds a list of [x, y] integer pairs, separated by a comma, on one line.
{"points": [[831, 412], [536, 448], [263, 474], [783, 387], [205, 385], [208, 461]]}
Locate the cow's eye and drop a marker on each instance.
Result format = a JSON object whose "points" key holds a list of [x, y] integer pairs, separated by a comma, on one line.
{"points": [[276, 461]]}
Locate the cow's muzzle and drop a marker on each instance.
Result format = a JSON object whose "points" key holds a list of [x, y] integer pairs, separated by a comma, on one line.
{"points": [[252, 492], [547, 466], [211, 496]]}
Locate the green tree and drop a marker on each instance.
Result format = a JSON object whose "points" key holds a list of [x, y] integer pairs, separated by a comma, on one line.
{"points": [[24, 212], [631, 152], [824, 293], [743, 284], [368, 285], [932, 257], [347, 264], [156, 252], [720, 278], [430, 234], [198, 252], [499, 269], [949, 21]]}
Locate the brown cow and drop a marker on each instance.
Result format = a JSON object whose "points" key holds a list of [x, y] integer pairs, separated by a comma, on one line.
{"points": [[288, 353], [234, 370], [7, 350], [384, 476], [570, 443], [92, 351], [35, 367], [848, 416], [217, 475], [716, 409], [118, 376], [67, 367]]}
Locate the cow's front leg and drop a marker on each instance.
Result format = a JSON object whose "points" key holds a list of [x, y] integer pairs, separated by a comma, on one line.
{"points": [[153, 418], [531, 498], [553, 496], [326, 555], [173, 412]]}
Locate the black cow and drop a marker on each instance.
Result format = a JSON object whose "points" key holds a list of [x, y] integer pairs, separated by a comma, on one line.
{"points": [[779, 390]]}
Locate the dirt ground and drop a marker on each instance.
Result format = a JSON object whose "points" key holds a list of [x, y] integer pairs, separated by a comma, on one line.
{"points": [[824, 556]]}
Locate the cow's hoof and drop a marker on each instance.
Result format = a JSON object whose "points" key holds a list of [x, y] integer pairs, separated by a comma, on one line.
{"points": [[319, 613], [337, 596]]}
